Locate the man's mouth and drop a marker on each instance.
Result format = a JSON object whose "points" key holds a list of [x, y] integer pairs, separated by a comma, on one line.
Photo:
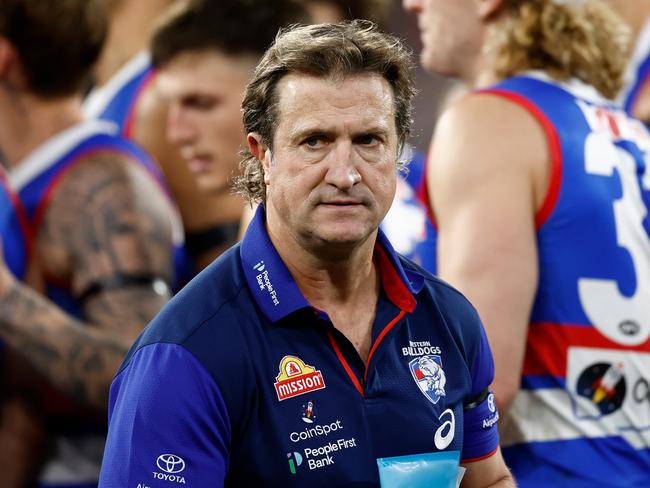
{"points": [[199, 164]]}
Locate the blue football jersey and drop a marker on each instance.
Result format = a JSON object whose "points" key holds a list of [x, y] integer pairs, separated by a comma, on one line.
{"points": [[582, 416], [76, 456], [38, 176], [116, 101], [13, 230], [240, 381]]}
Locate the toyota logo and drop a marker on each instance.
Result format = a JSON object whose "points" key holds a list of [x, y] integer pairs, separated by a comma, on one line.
{"points": [[170, 463]]}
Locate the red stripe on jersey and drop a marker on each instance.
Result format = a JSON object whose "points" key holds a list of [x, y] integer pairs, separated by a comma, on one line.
{"points": [[127, 130], [480, 458], [555, 152], [548, 346], [23, 221], [381, 336], [422, 193], [395, 289], [344, 362]]}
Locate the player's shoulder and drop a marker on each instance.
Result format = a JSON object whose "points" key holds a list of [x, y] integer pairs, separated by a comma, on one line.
{"points": [[483, 114], [480, 135], [212, 300], [107, 161]]}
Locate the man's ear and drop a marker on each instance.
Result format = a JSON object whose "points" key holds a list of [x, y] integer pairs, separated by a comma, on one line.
{"points": [[488, 8], [260, 151]]}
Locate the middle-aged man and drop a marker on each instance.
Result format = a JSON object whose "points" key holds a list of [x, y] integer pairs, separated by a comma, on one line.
{"points": [[311, 354]]}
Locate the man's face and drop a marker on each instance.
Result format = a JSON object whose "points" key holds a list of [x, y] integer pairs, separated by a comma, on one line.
{"points": [[204, 89], [324, 12], [332, 172], [448, 31]]}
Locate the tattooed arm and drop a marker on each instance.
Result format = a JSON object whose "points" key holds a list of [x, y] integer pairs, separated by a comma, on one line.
{"points": [[106, 233]]}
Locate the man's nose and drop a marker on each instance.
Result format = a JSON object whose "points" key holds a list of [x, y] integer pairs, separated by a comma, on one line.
{"points": [[412, 5], [179, 126], [342, 170]]}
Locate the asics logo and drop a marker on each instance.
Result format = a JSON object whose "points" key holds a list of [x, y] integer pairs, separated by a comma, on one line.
{"points": [[445, 433]]}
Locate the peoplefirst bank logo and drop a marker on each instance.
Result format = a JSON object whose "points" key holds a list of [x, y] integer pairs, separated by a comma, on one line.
{"points": [[297, 378], [264, 282]]}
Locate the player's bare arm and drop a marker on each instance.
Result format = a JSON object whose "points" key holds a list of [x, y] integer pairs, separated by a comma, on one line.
{"points": [[484, 196], [106, 234], [489, 472]]}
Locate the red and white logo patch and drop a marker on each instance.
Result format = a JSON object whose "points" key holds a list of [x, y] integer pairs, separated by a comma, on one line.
{"points": [[297, 378]]}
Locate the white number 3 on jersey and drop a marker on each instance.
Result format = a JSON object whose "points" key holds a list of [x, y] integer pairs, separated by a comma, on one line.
{"points": [[625, 320]]}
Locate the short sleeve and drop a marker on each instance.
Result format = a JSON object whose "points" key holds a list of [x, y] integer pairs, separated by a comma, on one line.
{"points": [[168, 423], [481, 437]]}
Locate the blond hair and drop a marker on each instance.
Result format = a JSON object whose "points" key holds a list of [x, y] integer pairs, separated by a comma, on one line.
{"points": [[581, 39]]}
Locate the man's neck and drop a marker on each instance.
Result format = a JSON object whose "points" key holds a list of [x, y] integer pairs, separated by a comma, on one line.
{"points": [[29, 120], [346, 289], [330, 279]]}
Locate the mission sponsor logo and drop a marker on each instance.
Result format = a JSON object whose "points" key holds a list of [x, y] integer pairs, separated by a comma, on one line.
{"points": [[429, 376], [610, 388], [297, 378]]}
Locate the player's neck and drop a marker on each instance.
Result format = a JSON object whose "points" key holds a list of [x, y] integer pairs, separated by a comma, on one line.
{"points": [[479, 73], [636, 15], [30, 120], [129, 31]]}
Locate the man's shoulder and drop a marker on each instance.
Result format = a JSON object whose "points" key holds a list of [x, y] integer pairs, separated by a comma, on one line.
{"points": [[433, 283], [447, 300]]}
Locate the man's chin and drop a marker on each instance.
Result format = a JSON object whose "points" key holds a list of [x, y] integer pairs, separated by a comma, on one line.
{"points": [[212, 185], [344, 239]]}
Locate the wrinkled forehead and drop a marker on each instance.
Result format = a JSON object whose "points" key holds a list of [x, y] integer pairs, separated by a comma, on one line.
{"points": [[304, 99]]}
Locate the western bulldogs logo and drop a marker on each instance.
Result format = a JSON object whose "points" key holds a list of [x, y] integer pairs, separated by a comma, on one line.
{"points": [[429, 376]]}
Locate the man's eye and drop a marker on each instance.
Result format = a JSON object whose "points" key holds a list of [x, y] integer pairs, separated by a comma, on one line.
{"points": [[313, 142], [367, 139], [200, 103]]}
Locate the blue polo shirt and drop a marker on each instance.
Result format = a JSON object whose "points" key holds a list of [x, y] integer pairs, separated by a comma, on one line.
{"points": [[240, 381]]}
